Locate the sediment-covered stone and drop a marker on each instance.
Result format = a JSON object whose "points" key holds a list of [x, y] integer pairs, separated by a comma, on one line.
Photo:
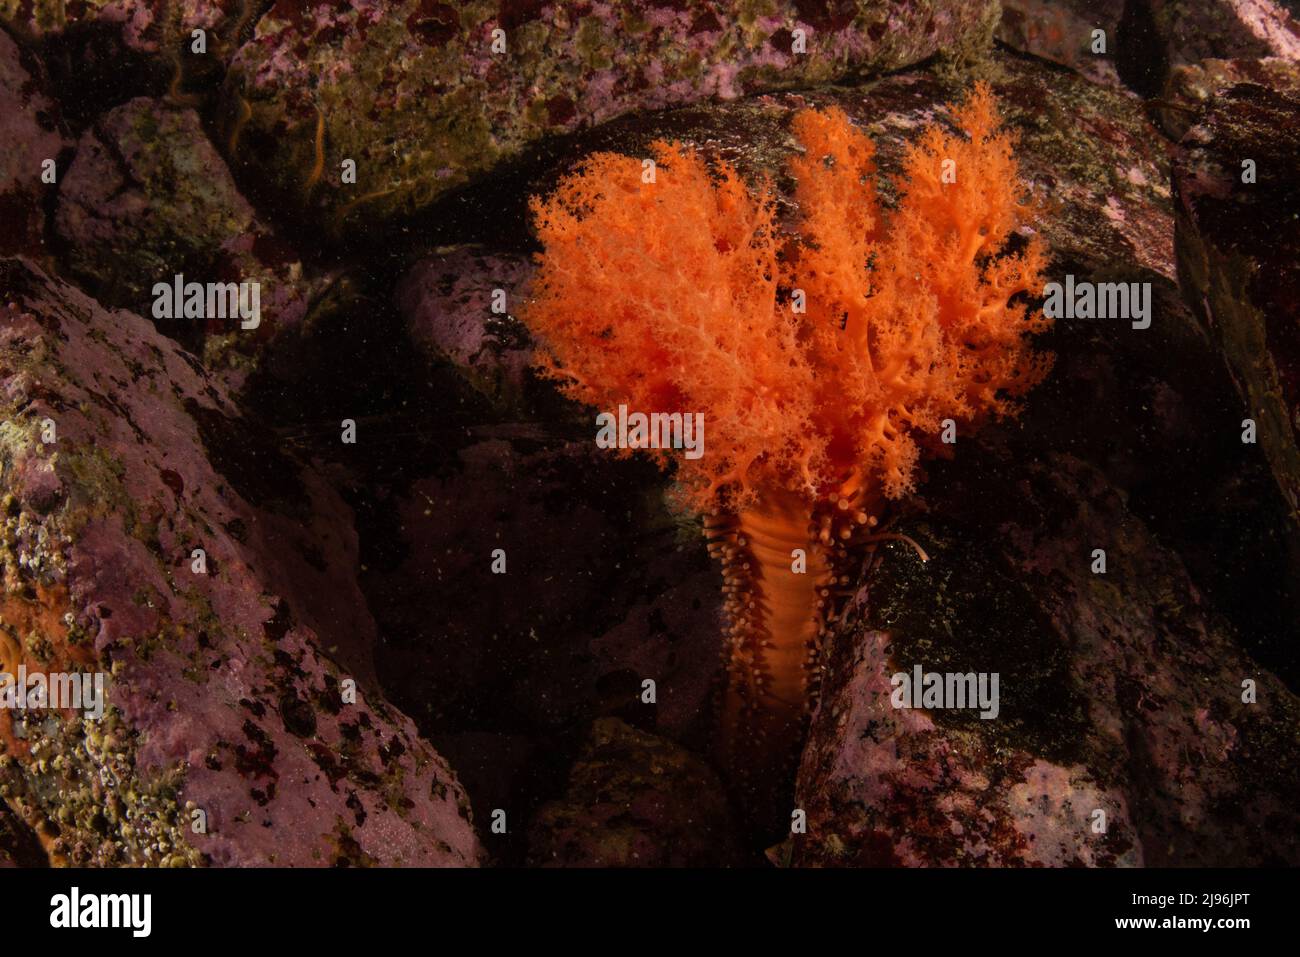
{"points": [[1191, 89], [635, 800]]}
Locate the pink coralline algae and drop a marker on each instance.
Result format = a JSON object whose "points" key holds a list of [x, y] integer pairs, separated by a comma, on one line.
{"points": [[230, 687], [467, 87]]}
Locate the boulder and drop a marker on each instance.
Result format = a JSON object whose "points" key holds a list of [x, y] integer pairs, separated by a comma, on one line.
{"points": [[1148, 42], [635, 800], [153, 535], [146, 26], [148, 198], [1191, 88], [32, 132], [458, 306], [1238, 244], [1062, 31], [1123, 735], [424, 97], [1195, 30]]}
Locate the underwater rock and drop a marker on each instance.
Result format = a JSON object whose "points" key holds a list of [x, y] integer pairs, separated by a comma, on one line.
{"points": [[887, 787], [1159, 37], [635, 800], [1146, 41], [101, 53], [32, 134], [1236, 180], [458, 304], [1062, 31], [1191, 89], [463, 650], [229, 667], [1095, 201], [1194, 30], [146, 26], [423, 97], [148, 198], [1184, 770]]}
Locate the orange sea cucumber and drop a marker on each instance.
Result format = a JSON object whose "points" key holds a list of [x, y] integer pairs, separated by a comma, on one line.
{"points": [[678, 294]]}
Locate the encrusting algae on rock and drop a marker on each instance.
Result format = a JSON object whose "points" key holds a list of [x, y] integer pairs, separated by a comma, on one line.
{"points": [[824, 362]]}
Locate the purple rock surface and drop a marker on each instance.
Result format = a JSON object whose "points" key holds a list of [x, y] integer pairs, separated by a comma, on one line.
{"points": [[425, 96], [229, 687], [1193, 30], [147, 26], [148, 198], [31, 131], [457, 304], [1191, 89], [1184, 769]]}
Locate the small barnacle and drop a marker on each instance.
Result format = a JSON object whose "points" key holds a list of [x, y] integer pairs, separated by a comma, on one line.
{"points": [[38, 647]]}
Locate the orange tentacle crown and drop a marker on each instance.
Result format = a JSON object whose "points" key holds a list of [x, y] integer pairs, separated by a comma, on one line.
{"points": [[822, 365]]}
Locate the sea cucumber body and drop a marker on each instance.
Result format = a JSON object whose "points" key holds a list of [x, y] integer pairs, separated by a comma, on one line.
{"points": [[785, 563], [774, 622]]}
